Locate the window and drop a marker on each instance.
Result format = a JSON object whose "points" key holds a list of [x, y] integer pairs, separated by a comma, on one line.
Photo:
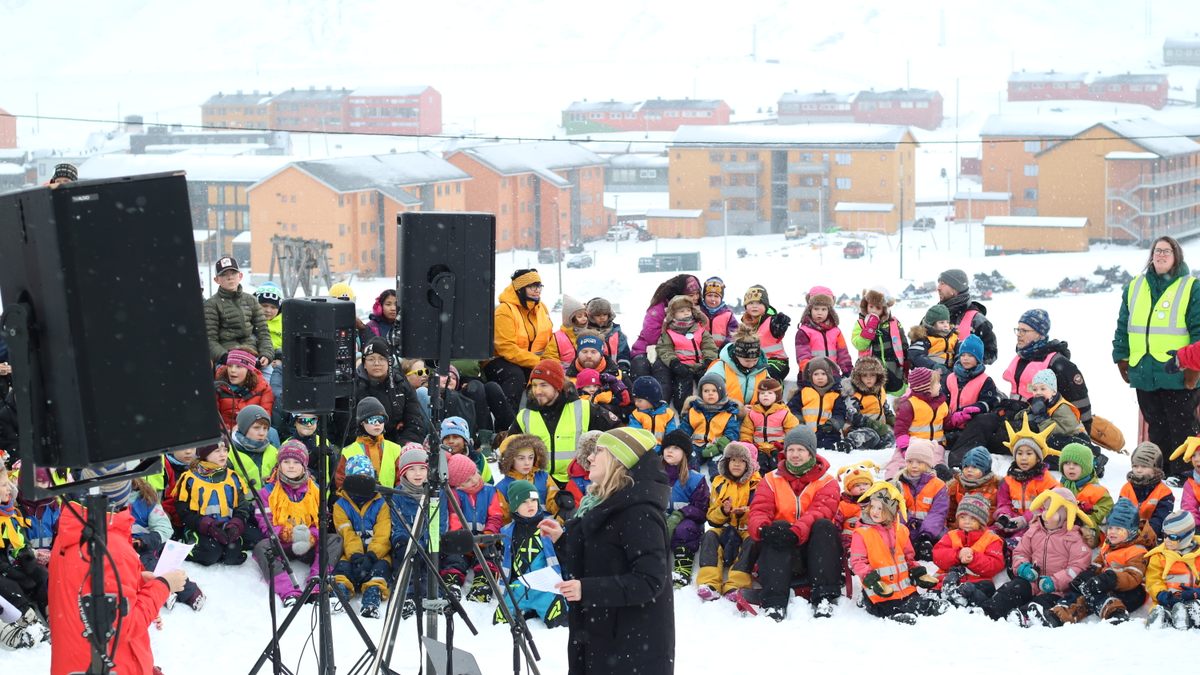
{"points": [[1031, 170], [843, 183], [1031, 194], [362, 228], [842, 158], [342, 231], [1033, 146], [458, 188], [714, 181], [293, 199], [906, 104], [806, 157], [715, 205], [341, 201], [648, 173], [751, 156], [614, 116], [715, 157], [504, 209], [922, 104], [733, 156]]}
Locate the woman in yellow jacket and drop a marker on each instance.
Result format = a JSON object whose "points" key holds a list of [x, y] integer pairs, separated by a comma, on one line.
{"points": [[522, 332]]}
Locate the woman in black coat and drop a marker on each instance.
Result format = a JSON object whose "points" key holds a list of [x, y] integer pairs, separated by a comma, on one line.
{"points": [[616, 558]]}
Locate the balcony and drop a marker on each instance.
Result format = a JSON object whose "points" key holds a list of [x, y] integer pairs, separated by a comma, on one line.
{"points": [[740, 191], [739, 217], [807, 192], [741, 167], [808, 168], [1162, 178], [1147, 205]]}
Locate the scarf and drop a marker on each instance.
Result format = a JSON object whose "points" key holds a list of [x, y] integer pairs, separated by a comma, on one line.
{"points": [[206, 470], [712, 312], [683, 327], [1148, 480], [977, 483], [1031, 350], [410, 490], [1026, 476], [964, 375], [240, 440], [711, 408], [586, 504], [957, 302], [288, 513], [800, 469], [1076, 485]]}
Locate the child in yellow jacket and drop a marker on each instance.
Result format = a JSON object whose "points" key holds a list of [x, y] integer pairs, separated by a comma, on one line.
{"points": [[1172, 580], [362, 518], [724, 547]]}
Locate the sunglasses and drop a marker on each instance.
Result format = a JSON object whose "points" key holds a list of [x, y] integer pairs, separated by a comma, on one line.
{"points": [[1181, 536], [306, 420], [419, 372], [376, 419]]}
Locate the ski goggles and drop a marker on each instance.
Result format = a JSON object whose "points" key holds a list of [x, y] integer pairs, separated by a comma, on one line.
{"points": [[306, 420], [376, 419]]}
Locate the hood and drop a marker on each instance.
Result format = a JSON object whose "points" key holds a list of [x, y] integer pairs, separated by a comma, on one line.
{"points": [[509, 296], [868, 364], [70, 528], [569, 306], [829, 367], [740, 451], [540, 454]]}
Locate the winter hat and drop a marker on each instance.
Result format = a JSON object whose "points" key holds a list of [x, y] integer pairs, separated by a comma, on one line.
{"points": [[455, 426], [40, 474], [691, 285], [523, 278], [569, 306], [1124, 514], [243, 358], [746, 345], [626, 444], [585, 447], [414, 455], [519, 492], [771, 384], [920, 449], [1052, 516], [856, 475], [821, 364], [972, 345], [976, 506], [1146, 454], [359, 465], [551, 372], [678, 438], [1031, 443], [739, 450], [204, 451], [369, 407], [716, 380], [876, 295], [1077, 453], [342, 291], [589, 341], [1038, 320], [119, 493], [269, 294], [648, 388], [886, 500], [956, 279], [935, 314], [756, 293], [293, 448], [714, 285], [459, 469], [588, 377], [920, 380], [65, 170], [598, 306], [247, 416], [801, 435], [819, 295], [1179, 525], [377, 345], [1046, 378], [360, 478], [979, 458]]}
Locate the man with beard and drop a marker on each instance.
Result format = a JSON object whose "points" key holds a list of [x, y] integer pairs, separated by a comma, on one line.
{"points": [[966, 316], [590, 353]]}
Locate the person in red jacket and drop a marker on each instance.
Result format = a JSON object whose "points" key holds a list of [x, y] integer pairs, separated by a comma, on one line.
{"points": [[142, 592], [971, 555], [792, 517], [239, 384]]}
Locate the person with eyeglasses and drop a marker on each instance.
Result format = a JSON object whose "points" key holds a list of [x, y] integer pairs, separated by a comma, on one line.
{"points": [[522, 332], [406, 421], [967, 316], [1158, 317]]}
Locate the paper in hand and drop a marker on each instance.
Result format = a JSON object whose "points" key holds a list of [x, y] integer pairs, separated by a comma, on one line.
{"points": [[544, 579], [173, 555]]}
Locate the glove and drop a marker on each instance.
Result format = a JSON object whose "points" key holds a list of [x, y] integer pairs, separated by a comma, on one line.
{"points": [[1123, 366], [1037, 407], [565, 501], [1027, 571], [780, 535], [715, 448], [680, 370], [869, 326], [359, 564], [1046, 584], [1099, 584], [1167, 599], [1189, 593], [922, 578], [924, 548], [875, 583], [826, 428], [208, 526], [234, 528], [1171, 366], [609, 380], [301, 540], [1009, 523], [673, 522], [779, 325], [958, 419]]}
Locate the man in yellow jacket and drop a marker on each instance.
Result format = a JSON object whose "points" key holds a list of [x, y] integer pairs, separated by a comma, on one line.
{"points": [[522, 331]]}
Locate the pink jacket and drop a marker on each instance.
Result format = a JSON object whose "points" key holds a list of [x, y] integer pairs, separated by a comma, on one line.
{"points": [[1059, 554], [1188, 500]]}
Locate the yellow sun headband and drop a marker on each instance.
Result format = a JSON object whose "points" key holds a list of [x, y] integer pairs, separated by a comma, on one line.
{"points": [[1026, 432], [892, 491], [1186, 449], [1057, 502]]}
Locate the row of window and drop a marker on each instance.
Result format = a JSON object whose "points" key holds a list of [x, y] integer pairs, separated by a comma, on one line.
{"points": [[887, 105], [632, 175], [580, 117], [255, 111], [385, 111]]}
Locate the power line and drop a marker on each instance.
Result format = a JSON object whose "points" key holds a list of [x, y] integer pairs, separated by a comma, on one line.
{"points": [[589, 139]]}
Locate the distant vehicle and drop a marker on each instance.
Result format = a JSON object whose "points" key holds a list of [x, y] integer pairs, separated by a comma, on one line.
{"points": [[793, 232], [580, 261], [549, 255], [644, 234], [618, 233], [577, 247], [854, 249], [926, 223]]}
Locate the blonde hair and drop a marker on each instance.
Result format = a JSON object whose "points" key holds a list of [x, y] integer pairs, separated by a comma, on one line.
{"points": [[617, 478]]}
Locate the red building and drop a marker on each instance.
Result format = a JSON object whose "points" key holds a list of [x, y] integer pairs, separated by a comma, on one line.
{"points": [[1049, 86], [404, 110], [1148, 89], [907, 107], [796, 107], [583, 117], [8, 130], [308, 110]]}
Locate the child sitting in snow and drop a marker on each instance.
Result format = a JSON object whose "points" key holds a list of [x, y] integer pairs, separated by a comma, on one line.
{"points": [[363, 520], [1145, 486], [41, 517], [970, 391], [1113, 586], [1027, 478], [974, 478], [1076, 465], [924, 498], [1171, 578], [650, 411], [869, 417], [726, 555], [687, 507], [456, 436], [412, 471], [1048, 410], [213, 503], [919, 414], [482, 506], [818, 404], [1190, 499], [970, 555], [856, 479], [712, 422], [881, 556], [526, 550], [767, 421], [684, 349], [524, 457], [372, 421], [932, 343]]}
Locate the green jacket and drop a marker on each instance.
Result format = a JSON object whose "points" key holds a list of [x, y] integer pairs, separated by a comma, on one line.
{"points": [[1148, 374], [236, 320]]}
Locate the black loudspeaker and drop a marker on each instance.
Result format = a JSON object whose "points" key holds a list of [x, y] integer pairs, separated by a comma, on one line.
{"points": [[319, 351], [433, 243], [105, 274]]}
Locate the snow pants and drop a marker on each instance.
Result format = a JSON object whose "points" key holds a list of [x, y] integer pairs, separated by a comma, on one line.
{"points": [[816, 563], [1170, 416], [724, 550]]}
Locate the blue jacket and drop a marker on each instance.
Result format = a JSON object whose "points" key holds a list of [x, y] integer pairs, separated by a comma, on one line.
{"points": [[532, 554], [406, 507], [43, 523]]}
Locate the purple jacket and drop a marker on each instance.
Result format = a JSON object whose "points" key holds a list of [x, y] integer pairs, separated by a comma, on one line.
{"points": [[652, 328], [697, 504], [1059, 554], [934, 524]]}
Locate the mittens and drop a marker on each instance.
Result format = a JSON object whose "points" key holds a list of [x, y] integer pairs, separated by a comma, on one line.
{"points": [[779, 325], [876, 585], [1046, 584], [1027, 571], [301, 540]]}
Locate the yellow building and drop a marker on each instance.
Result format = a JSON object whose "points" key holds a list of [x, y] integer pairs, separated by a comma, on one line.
{"points": [[1035, 234], [675, 223], [766, 178]]}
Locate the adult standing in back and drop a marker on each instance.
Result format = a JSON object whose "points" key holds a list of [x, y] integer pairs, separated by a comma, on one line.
{"points": [[967, 316], [1159, 317], [522, 331]]}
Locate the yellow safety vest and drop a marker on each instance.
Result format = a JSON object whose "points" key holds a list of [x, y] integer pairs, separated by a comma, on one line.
{"points": [[572, 422], [387, 461], [1160, 327]]}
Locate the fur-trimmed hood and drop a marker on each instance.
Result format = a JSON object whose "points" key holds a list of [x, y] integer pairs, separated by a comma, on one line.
{"points": [[742, 451], [828, 366], [681, 302], [820, 300], [878, 296], [508, 450]]}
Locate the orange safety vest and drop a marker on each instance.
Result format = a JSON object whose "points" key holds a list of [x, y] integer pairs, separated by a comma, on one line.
{"points": [[816, 408], [918, 506], [542, 331], [1182, 571], [927, 422], [688, 349], [961, 398], [1062, 402], [566, 347], [851, 513], [1191, 483], [656, 424], [1089, 496], [890, 564], [1021, 495], [706, 430], [768, 427], [720, 328], [788, 505], [1118, 559], [942, 348], [870, 405], [1146, 508], [733, 384]]}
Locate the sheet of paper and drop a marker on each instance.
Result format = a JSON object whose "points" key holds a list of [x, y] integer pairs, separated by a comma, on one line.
{"points": [[544, 579], [173, 555]]}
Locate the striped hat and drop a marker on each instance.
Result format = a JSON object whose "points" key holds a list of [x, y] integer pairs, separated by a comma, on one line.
{"points": [[119, 493], [1179, 526], [627, 445], [1146, 454], [976, 506]]}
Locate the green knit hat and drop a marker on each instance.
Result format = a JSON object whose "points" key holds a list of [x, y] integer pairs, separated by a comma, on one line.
{"points": [[626, 444], [1077, 453], [935, 314], [519, 492]]}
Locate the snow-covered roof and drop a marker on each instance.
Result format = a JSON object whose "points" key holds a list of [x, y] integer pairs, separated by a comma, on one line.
{"points": [[205, 168], [898, 95], [7, 169], [852, 136], [639, 162], [1132, 78], [1192, 42], [674, 213], [983, 196], [1154, 137], [868, 207], [1120, 154], [350, 174], [1040, 126], [12, 153], [816, 97], [1034, 221], [226, 149], [601, 106], [243, 238], [398, 91], [201, 235], [542, 158], [253, 98], [1050, 76], [311, 94]]}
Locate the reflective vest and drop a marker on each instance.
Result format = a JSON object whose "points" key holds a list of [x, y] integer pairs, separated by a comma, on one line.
{"points": [[870, 405], [788, 505], [960, 398], [542, 331], [42, 524], [573, 421], [1177, 570], [823, 343], [1146, 508], [1021, 495], [768, 427], [12, 536], [1021, 389], [772, 346], [851, 512], [918, 506], [687, 349], [681, 495], [566, 347], [1119, 559], [657, 423], [733, 384], [720, 328], [1157, 328], [1062, 402], [387, 463], [612, 343], [816, 408], [1089, 496], [895, 340], [942, 349], [963, 329], [927, 422], [706, 429], [889, 563]]}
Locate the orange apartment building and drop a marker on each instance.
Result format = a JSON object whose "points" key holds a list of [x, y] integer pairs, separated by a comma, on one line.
{"points": [[8, 130], [1011, 144], [767, 178], [973, 207], [544, 195], [237, 111], [351, 202], [675, 223]]}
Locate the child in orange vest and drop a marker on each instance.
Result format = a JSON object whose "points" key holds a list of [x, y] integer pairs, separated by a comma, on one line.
{"points": [[1027, 478], [1112, 587], [1047, 407], [650, 411], [931, 344], [869, 417], [1172, 581], [1190, 499], [818, 334], [974, 478], [1145, 486], [818, 404], [970, 555], [605, 390], [712, 422], [881, 556], [856, 478], [725, 556], [767, 422], [924, 498], [1078, 476], [684, 349], [920, 414], [771, 326]]}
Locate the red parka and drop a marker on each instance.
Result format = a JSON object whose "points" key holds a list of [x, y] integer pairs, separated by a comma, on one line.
{"points": [[989, 553], [824, 503], [230, 402]]}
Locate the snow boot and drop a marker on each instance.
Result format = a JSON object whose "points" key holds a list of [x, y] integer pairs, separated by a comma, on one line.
{"points": [[907, 618], [1193, 612], [480, 591], [1179, 616], [1070, 613], [776, 614], [824, 608], [15, 636], [952, 580], [742, 603], [408, 609], [1040, 615], [37, 627], [1160, 617], [454, 582], [170, 603], [233, 554], [842, 446], [707, 593], [1018, 617], [682, 574], [371, 599]]}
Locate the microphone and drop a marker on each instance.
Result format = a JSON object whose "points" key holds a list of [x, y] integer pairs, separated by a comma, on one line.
{"points": [[459, 542]]}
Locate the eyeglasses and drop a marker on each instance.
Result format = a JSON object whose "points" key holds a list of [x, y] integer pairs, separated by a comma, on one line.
{"points": [[1163, 251], [419, 372], [306, 420], [1179, 536], [537, 287], [1023, 331], [376, 419]]}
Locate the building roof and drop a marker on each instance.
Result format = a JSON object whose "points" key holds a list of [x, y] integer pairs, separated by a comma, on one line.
{"points": [[1050, 76], [1153, 137], [1034, 221], [381, 172], [1130, 155], [542, 158], [639, 161], [202, 168], [1192, 42], [674, 213], [311, 94], [859, 207], [239, 98], [601, 106], [415, 90], [898, 95], [1040, 126], [681, 104], [849, 136], [815, 97], [982, 196], [1132, 78]]}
